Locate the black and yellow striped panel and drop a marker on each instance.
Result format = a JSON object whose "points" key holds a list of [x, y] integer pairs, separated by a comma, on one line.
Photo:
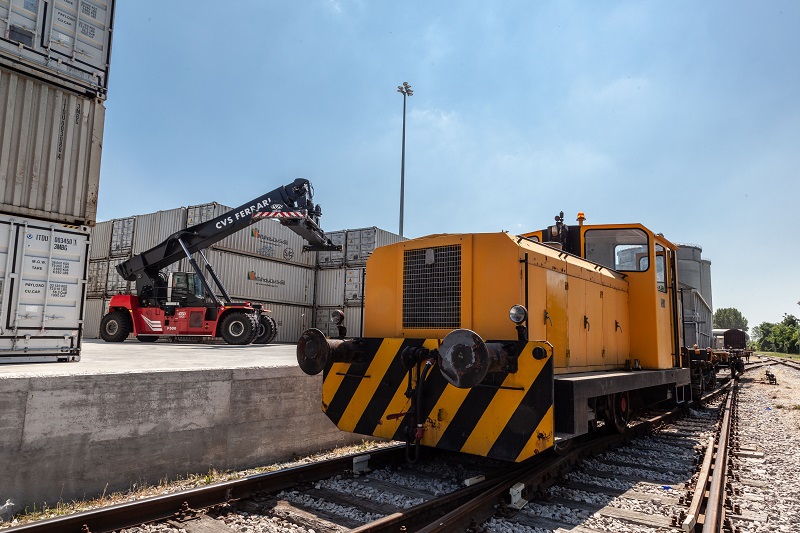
{"points": [[509, 416]]}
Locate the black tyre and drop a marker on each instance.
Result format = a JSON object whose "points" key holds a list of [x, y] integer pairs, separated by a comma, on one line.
{"points": [[238, 328], [266, 330], [115, 326], [147, 338], [274, 329]]}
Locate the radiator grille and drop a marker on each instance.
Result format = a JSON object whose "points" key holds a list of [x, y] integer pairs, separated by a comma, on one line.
{"points": [[432, 287]]}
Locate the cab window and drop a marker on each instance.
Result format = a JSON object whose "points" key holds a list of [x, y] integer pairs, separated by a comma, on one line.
{"points": [[623, 249]]}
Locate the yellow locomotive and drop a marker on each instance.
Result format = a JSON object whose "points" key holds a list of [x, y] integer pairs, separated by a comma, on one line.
{"points": [[504, 346]]}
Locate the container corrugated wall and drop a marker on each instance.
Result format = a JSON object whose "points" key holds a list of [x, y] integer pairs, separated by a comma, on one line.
{"points": [[152, 229], [292, 320], [250, 278], [122, 237], [95, 310], [97, 278], [353, 320], [65, 42], [330, 287], [50, 147], [269, 239], [101, 240]]}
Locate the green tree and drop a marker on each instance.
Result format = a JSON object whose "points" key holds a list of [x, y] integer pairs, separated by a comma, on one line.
{"points": [[782, 337], [729, 318]]}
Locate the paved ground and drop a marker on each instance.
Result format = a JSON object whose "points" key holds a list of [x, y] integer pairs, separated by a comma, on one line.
{"points": [[99, 357]]}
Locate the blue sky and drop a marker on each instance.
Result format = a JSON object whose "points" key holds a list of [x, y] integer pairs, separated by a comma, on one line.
{"points": [[684, 116]]}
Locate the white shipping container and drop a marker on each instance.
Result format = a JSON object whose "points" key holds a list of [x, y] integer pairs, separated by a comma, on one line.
{"points": [[247, 277], [333, 259], [97, 278], [42, 289], [66, 42], [95, 311], [50, 146], [354, 286], [153, 228], [270, 239], [122, 236], [330, 287], [365, 240], [101, 240]]}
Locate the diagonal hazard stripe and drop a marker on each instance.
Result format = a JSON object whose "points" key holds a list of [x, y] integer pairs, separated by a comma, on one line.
{"points": [[387, 358], [386, 409], [538, 400], [536, 444], [342, 381], [467, 417]]}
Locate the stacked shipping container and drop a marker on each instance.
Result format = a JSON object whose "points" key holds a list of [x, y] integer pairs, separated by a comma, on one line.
{"points": [[341, 277], [263, 263], [54, 58]]}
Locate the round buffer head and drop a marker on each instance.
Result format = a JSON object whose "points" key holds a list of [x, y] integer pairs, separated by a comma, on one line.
{"points": [[463, 358], [312, 351]]}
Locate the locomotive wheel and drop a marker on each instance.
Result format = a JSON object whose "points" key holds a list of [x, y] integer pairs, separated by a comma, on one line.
{"points": [[147, 338], [115, 326], [266, 330], [621, 411], [562, 446], [238, 328]]}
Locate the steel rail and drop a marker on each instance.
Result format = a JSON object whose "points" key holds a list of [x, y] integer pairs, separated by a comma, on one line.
{"points": [[716, 491], [180, 503], [537, 478]]}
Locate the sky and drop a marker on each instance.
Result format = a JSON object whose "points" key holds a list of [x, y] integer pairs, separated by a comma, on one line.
{"points": [[683, 116]]}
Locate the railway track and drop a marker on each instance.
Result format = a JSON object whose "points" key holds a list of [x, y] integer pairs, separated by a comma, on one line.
{"points": [[666, 473]]}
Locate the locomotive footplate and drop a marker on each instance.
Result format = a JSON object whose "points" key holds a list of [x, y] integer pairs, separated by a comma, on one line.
{"points": [[574, 391]]}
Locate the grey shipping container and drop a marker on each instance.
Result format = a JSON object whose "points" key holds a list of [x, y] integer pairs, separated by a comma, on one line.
{"points": [[197, 214], [330, 287], [95, 311], [153, 228], [122, 237], [63, 42], [101, 240], [97, 278], [353, 320], [50, 146], [354, 286], [247, 277], [292, 320], [42, 289]]}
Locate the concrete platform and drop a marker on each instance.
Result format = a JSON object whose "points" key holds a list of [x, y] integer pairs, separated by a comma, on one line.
{"points": [[133, 412]]}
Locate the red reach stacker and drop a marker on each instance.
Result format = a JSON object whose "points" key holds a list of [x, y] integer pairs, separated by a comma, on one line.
{"points": [[183, 304]]}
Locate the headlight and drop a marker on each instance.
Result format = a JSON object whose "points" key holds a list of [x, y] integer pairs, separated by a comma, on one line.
{"points": [[337, 317], [518, 314]]}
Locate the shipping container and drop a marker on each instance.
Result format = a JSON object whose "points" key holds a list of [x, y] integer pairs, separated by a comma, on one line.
{"points": [[96, 309], [291, 320], [97, 278], [122, 237], [153, 228], [353, 320], [269, 239], [116, 284], [63, 42], [101, 240], [360, 243], [354, 286], [333, 259], [330, 287], [247, 277], [197, 214], [42, 289], [50, 146]]}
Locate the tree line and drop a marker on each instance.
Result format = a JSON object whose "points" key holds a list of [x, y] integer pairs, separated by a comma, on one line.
{"points": [[783, 336]]}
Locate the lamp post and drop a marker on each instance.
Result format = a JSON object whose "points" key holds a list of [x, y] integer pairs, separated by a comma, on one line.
{"points": [[405, 90]]}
